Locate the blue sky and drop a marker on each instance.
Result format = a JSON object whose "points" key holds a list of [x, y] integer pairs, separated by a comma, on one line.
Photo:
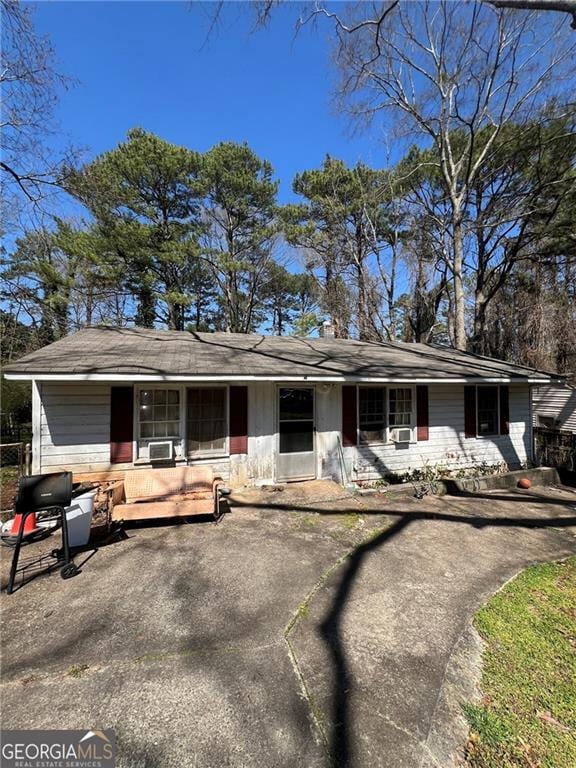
{"points": [[150, 64]]}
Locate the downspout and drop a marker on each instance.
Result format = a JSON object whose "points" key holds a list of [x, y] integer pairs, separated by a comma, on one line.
{"points": [[36, 427]]}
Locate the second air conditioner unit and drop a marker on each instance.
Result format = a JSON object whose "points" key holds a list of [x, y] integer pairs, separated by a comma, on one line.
{"points": [[160, 451], [401, 435]]}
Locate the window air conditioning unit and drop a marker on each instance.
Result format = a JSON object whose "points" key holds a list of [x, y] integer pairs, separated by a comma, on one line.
{"points": [[402, 435], [160, 451]]}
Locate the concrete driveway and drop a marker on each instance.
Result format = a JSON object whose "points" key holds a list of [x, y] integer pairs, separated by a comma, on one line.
{"points": [[306, 629]]}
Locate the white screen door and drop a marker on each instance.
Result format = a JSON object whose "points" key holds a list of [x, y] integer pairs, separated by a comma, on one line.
{"points": [[296, 434]]}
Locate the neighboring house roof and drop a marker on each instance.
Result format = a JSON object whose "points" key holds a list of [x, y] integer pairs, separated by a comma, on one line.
{"points": [[138, 354]]}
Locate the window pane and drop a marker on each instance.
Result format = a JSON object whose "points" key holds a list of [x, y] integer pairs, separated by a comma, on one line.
{"points": [[372, 400], [157, 419], [374, 435], [173, 412], [146, 413], [147, 430], [210, 436], [372, 419], [206, 420], [400, 407], [487, 398], [219, 396], [210, 411], [487, 423], [296, 436], [159, 412], [296, 404], [400, 419], [160, 429]]}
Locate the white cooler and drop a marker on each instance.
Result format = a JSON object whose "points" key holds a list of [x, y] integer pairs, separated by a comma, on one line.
{"points": [[79, 518]]}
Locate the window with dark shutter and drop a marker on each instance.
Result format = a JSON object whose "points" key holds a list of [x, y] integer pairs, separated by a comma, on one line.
{"points": [[121, 424], [238, 420], [349, 416], [486, 411]]}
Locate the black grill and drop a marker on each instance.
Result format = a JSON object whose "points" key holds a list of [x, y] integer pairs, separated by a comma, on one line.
{"points": [[38, 492]]}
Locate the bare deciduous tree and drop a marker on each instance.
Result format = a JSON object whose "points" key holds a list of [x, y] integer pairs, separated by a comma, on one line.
{"points": [[449, 71], [29, 83]]}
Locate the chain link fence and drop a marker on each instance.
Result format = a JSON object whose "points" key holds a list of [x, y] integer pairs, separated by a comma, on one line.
{"points": [[15, 461], [16, 455]]}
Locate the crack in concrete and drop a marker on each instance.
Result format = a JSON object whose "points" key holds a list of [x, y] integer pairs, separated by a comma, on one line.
{"points": [[315, 714], [428, 752]]}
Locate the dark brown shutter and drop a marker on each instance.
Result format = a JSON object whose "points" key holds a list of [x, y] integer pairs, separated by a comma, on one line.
{"points": [[504, 410], [121, 424], [238, 420], [470, 411], [422, 413], [349, 416]]}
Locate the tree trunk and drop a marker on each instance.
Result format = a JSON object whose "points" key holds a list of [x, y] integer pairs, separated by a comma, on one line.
{"points": [[363, 332], [175, 317], [459, 297], [146, 313], [479, 345]]}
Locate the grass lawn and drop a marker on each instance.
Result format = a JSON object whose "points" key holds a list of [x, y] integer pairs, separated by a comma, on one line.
{"points": [[527, 716]]}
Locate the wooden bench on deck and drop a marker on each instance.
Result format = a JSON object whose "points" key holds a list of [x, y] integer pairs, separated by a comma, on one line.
{"points": [[171, 492]]}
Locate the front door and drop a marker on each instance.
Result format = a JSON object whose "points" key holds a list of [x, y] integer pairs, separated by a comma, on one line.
{"points": [[296, 438]]}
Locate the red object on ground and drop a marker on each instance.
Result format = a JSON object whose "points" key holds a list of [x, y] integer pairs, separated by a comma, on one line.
{"points": [[524, 483], [30, 526]]}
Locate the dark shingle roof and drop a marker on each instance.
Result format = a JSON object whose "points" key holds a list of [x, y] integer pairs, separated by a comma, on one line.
{"points": [[153, 353]]}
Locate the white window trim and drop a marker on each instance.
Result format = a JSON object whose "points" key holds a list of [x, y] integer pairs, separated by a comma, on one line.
{"points": [[497, 433], [387, 429], [140, 442]]}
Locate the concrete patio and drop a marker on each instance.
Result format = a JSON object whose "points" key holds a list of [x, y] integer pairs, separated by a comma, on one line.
{"points": [[307, 628]]}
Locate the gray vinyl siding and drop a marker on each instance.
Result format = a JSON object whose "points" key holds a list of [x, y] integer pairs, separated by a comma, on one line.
{"points": [[556, 402], [74, 427], [72, 432], [75, 431], [447, 446]]}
